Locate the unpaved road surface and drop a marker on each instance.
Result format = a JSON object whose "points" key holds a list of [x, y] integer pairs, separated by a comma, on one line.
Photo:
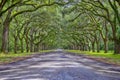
{"points": [[59, 66]]}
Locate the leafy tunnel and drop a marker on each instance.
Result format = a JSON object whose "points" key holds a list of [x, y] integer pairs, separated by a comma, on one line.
{"points": [[33, 25]]}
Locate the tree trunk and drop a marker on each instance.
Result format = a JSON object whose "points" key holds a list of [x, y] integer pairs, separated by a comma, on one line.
{"points": [[105, 46], [116, 47], [114, 31], [27, 47], [93, 47], [31, 44], [79, 47], [98, 46], [27, 44], [22, 49], [35, 48], [89, 48], [83, 47], [4, 48], [15, 44], [106, 38], [31, 47], [38, 47]]}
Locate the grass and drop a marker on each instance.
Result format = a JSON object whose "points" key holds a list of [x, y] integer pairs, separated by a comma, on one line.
{"points": [[106, 57], [12, 57]]}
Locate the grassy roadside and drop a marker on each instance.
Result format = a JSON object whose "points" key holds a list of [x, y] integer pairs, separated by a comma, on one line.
{"points": [[104, 57], [13, 57]]}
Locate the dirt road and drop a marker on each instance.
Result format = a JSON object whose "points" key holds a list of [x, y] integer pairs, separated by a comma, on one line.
{"points": [[58, 66]]}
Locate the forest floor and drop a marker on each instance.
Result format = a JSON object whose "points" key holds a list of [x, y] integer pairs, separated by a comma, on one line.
{"points": [[59, 65]]}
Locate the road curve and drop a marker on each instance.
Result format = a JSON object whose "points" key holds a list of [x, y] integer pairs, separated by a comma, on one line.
{"points": [[58, 66]]}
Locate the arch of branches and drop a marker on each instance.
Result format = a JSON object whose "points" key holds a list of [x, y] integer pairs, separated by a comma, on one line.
{"points": [[32, 25]]}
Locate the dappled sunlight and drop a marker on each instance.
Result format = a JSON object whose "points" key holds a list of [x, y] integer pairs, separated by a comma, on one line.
{"points": [[107, 71], [59, 39], [54, 67], [57, 64]]}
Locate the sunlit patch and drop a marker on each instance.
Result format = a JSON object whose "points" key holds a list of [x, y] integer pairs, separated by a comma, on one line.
{"points": [[55, 66], [11, 70], [36, 79], [108, 71], [3, 78]]}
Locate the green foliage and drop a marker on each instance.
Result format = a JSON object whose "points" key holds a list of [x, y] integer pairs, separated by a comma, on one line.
{"points": [[47, 24]]}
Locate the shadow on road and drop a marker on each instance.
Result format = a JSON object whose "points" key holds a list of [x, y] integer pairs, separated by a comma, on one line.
{"points": [[53, 66]]}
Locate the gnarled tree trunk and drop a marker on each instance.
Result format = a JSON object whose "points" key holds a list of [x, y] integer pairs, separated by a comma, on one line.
{"points": [[5, 35], [4, 48]]}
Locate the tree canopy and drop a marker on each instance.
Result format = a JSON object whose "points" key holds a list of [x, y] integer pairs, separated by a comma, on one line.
{"points": [[32, 25]]}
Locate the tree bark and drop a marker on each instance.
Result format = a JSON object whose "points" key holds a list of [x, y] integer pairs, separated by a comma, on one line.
{"points": [[6, 24], [31, 44], [116, 47], [115, 39], [27, 43], [98, 47], [93, 47], [22, 49], [4, 48], [15, 44], [105, 46]]}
